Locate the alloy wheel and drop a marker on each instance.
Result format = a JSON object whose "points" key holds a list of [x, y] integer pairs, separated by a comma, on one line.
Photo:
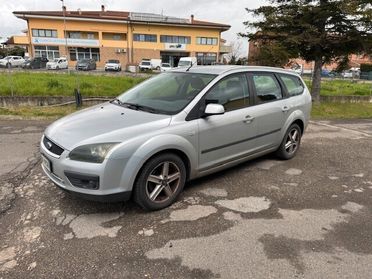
{"points": [[163, 182], [292, 141]]}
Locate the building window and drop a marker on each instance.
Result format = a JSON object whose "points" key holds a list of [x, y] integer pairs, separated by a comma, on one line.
{"points": [[206, 58], [145, 38], [114, 36], [175, 39], [50, 52], [90, 36], [74, 35], [44, 33], [206, 41], [77, 53]]}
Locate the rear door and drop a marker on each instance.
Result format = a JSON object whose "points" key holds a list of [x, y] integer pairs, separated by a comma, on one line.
{"points": [[272, 108]]}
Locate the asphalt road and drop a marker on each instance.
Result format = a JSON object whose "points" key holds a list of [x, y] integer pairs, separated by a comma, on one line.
{"points": [[309, 217]]}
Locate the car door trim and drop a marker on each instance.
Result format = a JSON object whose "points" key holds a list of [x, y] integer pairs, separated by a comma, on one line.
{"points": [[239, 141], [238, 158]]}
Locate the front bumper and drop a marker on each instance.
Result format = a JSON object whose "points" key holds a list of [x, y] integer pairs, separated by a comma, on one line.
{"points": [[112, 186]]}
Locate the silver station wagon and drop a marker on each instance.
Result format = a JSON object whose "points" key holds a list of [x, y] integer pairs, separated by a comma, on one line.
{"points": [[174, 127]]}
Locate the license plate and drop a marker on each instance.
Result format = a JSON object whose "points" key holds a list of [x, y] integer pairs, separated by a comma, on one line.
{"points": [[46, 163]]}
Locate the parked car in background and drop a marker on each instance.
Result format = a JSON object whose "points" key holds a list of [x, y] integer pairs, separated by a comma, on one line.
{"points": [[351, 73], [113, 65], [165, 67], [145, 65], [187, 62], [176, 126], [150, 64], [86, 65], [57, 64], [12, 61], [35, 63]]}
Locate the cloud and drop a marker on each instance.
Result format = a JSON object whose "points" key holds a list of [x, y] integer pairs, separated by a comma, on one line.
{"points": [[230, 12]]}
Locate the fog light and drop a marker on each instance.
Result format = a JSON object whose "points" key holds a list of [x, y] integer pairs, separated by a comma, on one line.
{"points": [[90, 182]]}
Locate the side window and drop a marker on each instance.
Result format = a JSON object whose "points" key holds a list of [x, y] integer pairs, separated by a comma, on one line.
{"points": [[231, 92], [293, 84], [267, 88]]}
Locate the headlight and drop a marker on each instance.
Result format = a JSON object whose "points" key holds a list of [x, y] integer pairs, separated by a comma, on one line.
{"points": [[92, 153]]}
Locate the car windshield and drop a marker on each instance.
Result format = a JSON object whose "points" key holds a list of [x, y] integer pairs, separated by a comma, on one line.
{"points": [[166, 93], [84, 61], [113, 61], [145, 63], [165, 65], [184, 63], [7, 58], [55, 60]]}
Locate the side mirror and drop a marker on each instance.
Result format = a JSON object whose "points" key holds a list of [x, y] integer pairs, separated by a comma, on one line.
{"points": [[214, 109]]}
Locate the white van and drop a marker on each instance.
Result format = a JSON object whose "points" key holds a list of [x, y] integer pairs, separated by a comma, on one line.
{"points": [[187, 62], [150, 64]]}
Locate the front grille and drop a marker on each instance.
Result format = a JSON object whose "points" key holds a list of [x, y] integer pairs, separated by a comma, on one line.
{"points": [[52, 147]]}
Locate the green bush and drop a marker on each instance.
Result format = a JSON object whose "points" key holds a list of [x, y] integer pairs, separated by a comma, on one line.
{"points": [[53, 84], [366, 67]]}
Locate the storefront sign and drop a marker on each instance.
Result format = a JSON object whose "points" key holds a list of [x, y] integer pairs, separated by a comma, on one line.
{"points": [[62, 41], [176, 47]]}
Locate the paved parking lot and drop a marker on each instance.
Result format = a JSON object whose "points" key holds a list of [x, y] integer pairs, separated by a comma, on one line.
{"points": [[305, 218]]}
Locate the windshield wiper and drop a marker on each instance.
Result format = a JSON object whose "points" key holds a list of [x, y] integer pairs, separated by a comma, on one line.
{"points": [[140, 107]]}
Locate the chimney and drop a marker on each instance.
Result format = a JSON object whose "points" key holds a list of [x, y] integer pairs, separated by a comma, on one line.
{"points": [[192, 19], [102, 8], [79, 11], [64, 9]]}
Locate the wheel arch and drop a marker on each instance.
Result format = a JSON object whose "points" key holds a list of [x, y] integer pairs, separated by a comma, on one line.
{"points": [[153, 147]]}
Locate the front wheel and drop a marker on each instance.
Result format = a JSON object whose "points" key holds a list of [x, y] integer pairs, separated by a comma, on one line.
{"points": [[160, 182], [291, 143]]}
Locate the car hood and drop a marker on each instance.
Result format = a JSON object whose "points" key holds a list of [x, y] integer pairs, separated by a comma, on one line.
{"points": [[111, 64], [52, 63], [82, 64], [103, 123]]}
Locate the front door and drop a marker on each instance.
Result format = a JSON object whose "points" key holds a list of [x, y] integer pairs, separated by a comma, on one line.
{"points": [[226, 137]]}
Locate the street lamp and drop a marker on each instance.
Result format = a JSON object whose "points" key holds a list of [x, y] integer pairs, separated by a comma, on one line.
{"points": [[65, 32]]}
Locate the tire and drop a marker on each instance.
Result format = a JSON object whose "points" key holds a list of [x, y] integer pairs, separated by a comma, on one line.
{"points": [[158, 68], [57, 68], [290, 143], [158, 193]]}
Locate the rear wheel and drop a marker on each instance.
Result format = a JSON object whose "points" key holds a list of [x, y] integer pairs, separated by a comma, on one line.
{"points": [[291, 143], [161, 180]]}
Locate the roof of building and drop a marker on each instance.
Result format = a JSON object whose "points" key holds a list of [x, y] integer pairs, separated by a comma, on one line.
{"points": [[122, 16]]}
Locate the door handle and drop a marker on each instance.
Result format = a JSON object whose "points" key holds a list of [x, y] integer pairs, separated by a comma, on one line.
{"points": [[285, 109], [248, 119]]}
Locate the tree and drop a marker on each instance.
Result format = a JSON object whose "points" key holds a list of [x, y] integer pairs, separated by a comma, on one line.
{"points": [[315, 30], [270, 54], [235, 53]]}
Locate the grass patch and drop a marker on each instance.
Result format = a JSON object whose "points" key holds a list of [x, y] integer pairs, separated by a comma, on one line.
{"points": [[321, 111], [343, 88], [342, 110], [38, 112], [63, 84]]}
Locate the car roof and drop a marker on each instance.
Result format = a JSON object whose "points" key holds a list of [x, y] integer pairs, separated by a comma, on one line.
{"points": [[222, 69]]}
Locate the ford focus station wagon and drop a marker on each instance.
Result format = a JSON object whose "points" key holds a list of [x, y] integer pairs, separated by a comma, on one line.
{"points": [[174, 127]]}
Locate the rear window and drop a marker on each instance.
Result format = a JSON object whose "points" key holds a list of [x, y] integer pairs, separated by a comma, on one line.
{"points": [[293, 85], [267, 87]]}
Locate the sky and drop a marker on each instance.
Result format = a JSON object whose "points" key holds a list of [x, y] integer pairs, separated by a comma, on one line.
{"points": [[230, 12]]}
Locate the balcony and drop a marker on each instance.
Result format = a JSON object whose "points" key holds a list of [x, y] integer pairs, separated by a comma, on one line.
{"points": [[225, 49]]}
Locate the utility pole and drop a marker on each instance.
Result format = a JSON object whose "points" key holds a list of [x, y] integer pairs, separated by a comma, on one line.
{"points": [[65, 33]]}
